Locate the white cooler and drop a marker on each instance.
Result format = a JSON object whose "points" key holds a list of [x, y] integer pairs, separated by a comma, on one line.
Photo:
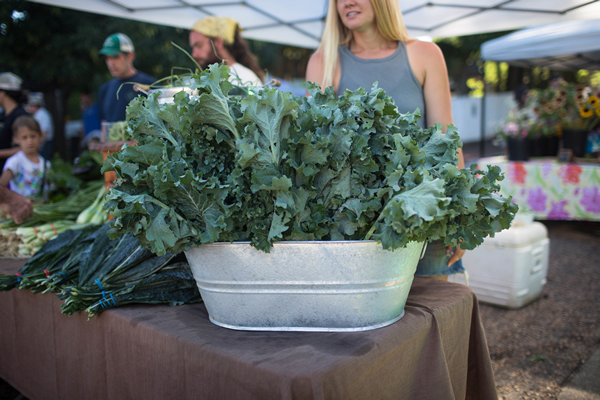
{"points": [[510, 269]]}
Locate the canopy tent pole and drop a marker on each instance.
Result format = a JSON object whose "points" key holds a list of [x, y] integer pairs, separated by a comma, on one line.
{"points": [[482, 122]]}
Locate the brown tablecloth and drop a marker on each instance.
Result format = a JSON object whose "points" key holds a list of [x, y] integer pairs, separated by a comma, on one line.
{"points": [[436, 351]]}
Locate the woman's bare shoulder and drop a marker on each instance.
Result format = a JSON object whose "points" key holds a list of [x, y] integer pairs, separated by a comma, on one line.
{"points": [[423, 49], [316, 58]]}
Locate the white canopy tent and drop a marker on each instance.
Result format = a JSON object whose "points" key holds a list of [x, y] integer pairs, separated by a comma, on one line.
{"points": [[300, 23], [567, 45]]}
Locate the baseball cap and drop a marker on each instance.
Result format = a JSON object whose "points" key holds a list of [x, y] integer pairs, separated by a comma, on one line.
{"points": [[117, 43], [10, 81]]}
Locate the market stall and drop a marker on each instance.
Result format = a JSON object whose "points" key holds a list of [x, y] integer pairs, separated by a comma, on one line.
{"points": [[562, 185], [550, 189], [562, 46], [199, 176], [437, 351]]}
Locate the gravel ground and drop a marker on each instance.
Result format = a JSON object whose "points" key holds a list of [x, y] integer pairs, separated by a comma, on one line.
{"points": [[537, 349]]}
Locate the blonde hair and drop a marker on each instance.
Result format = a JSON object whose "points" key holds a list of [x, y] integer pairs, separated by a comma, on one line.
{"points": [[389, 23]]}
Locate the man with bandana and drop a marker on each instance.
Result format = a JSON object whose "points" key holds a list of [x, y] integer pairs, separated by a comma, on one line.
{"points": [[218, 40]]}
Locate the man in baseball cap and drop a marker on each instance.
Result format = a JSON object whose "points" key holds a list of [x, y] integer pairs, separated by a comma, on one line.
{"points": [[117, 43], [119, 54]]}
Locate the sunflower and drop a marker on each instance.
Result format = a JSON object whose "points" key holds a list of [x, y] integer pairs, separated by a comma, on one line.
{"points": [[585, 111], [580, 88], [593, 101], [559, 101]]}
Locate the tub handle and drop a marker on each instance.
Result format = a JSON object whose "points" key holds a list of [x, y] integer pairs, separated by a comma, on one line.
{"points": [[423, 251]]}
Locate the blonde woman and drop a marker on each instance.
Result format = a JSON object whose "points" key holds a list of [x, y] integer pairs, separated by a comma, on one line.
{"points": [[365, 41]]}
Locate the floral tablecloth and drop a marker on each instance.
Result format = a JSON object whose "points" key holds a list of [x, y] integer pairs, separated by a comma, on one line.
{"points": [[551, 190]]}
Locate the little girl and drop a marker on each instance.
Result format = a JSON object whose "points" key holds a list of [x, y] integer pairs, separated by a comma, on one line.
{"points": [[26, 171]]}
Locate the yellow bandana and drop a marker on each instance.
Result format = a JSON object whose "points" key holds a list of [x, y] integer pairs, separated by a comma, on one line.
{"points": [[223, 27]]}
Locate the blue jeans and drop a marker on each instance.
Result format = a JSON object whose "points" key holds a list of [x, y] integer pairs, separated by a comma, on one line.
{"points": [[434, 261]]}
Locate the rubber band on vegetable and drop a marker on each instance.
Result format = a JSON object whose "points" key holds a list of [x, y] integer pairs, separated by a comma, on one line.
{"points": [[18, 274], [104, 298], [63, 274], [47, 273], [54, 229], [100, 286], [35, 231]]}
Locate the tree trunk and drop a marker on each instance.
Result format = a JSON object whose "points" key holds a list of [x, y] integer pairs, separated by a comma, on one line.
{"points": [[55, 101]]}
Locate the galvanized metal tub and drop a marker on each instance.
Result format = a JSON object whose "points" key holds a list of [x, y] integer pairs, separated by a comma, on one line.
{"points": [[304, 286], [167, 94]]}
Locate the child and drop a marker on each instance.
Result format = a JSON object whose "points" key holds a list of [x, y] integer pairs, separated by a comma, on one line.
{"points": [[26, 171]]}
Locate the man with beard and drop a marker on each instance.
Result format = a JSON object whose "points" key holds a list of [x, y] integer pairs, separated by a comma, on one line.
{"points": [[218, 39]]}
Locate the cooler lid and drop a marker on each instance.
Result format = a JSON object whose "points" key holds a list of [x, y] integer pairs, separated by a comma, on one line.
{"points": [[518, 235]]}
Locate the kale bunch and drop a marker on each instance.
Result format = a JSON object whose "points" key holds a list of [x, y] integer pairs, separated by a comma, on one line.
{"points": [[273, 166]]}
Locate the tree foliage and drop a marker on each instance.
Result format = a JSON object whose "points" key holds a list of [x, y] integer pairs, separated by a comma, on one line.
{"points": [[56, 46]]}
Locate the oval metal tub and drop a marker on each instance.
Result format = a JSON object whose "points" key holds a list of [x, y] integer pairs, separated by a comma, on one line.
{"points": [[167, 94], [304, 286]]}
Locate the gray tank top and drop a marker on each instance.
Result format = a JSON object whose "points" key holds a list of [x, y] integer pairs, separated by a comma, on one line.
{"points": [[393, 74]]}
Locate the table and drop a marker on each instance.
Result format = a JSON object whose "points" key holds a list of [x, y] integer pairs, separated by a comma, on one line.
{"points": [[549, 189], [436, 351]]}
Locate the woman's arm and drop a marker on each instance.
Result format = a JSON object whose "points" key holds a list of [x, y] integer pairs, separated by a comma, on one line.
{"points": [[433, 75], [428, 62], [6, 153], [15, 205], [5, 178], [314, 69]]}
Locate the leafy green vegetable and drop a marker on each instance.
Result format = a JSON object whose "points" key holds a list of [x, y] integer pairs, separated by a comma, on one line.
{"points": [[68, 208], [93, 273], [274, 166]]}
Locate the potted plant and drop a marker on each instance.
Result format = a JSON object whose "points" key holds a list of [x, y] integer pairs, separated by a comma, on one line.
{"points": [[278, 172], [517, 131]]}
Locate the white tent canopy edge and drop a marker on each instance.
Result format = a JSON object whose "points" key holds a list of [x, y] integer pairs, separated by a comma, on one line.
{"points": [[300, 23], [568, 45]]}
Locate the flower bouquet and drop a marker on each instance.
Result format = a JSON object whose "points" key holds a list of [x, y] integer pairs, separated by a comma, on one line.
{"points": [[570, 110]]}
